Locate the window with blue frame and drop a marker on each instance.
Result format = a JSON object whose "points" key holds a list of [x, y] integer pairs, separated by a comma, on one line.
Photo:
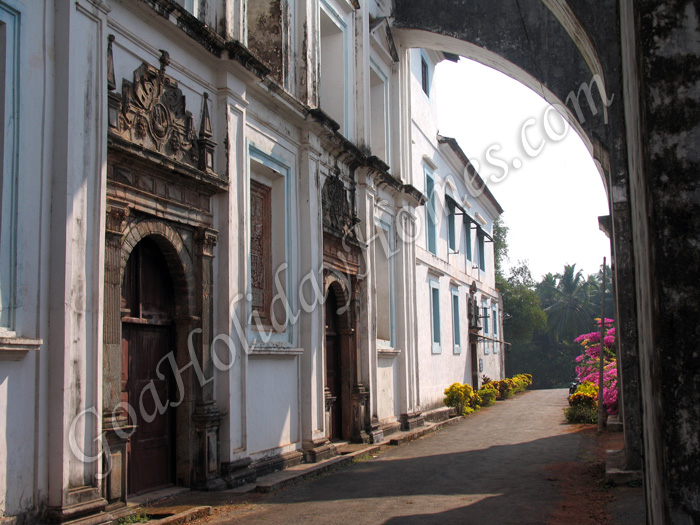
{"points": [[468, 239], [424, 74], [482, 251], [451, 226], [435, 316], [485, 324], [494, 325], [456, 335], [9, 159], [431, 212]]}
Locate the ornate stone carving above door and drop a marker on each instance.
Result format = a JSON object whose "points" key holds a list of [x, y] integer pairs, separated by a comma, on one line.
{"points": [[338, 211], [151, 112]]}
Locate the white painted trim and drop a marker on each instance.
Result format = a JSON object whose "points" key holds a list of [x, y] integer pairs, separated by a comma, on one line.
{"points": [[430, 162]]}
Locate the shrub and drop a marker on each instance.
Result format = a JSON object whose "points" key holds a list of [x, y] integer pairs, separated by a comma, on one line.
{"points": [[506, 388], [487, 394], [581, 413], [462, 397], [521, 382]]}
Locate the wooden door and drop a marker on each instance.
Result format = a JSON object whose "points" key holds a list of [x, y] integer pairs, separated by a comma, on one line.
{"points": [[333, 367], [147, 338]]}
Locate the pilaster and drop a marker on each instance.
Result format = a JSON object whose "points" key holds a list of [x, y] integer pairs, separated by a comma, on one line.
{"points": [[207, 416]]}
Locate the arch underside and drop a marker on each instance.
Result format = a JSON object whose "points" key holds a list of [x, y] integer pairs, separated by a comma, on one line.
{"points": [[551, 46]]}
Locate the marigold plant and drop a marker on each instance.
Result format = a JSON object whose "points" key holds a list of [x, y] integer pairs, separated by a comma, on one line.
{"points": [[488, 394], [462, 397]]}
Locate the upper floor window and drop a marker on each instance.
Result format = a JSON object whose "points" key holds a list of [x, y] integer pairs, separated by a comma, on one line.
{"points": [[468, 239], [424, 74], [482, 251], [451, 225], [431, 212]]}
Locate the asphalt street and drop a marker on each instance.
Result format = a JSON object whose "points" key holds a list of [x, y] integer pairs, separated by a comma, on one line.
{"points": [[494, 466]]}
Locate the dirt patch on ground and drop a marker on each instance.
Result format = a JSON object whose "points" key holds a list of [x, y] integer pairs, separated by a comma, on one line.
{"points": [[584, 496]]}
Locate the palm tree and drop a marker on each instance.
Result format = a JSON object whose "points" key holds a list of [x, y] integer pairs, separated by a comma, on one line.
{"points": [[546, 289], [571, 312]]}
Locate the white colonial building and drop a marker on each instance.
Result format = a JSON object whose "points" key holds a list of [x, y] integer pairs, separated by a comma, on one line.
{"points": [[459, 308], [215, 257]]}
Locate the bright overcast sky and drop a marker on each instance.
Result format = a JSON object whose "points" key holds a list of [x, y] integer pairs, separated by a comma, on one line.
{"points": [[552, 200]]}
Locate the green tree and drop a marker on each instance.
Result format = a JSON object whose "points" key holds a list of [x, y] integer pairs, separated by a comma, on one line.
{"points": [[546, 290], [523, 315]]}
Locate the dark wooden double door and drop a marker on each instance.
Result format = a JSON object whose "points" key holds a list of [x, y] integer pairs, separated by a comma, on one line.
{"points": [[338, 371], [147, 377]]}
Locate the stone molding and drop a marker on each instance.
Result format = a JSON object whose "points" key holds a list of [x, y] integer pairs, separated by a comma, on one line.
{"points": [[13, 348]]}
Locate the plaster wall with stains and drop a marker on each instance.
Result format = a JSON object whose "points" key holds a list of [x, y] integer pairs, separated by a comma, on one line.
{"points": [[669, 84]]}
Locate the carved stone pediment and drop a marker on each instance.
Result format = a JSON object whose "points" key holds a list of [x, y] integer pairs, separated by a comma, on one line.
{"points": [[152, 113], [338, 213]]}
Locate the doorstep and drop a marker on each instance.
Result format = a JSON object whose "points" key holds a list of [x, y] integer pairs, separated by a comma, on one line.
{"points": [[154, 497], [350, 453]]}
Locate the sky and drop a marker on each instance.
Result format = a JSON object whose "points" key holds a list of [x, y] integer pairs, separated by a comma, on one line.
{"points": [[551, 198]]}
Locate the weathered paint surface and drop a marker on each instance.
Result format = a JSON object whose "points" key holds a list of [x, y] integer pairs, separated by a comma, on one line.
{"points": [[266, 34], [670, 69]]}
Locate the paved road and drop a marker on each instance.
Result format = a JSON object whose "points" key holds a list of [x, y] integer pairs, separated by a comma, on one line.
{"points": [[492, 467]]}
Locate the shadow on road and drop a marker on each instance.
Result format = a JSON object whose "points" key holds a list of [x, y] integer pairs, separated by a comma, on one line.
{"points": [[511, 482]]}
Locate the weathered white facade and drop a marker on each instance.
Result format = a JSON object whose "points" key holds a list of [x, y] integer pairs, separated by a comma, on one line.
{"points": [[214, 255], [459, 321]]}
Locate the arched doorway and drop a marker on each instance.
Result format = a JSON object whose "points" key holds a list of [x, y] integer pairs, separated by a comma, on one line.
{"points": [[333, 368], [340, 364], [147, 338]]}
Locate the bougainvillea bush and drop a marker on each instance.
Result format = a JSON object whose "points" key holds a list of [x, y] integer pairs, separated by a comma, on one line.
{"points": [[588, 362]]}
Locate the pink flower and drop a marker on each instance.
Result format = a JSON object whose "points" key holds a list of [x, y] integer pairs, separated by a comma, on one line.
{"points": [[584, 339]]}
